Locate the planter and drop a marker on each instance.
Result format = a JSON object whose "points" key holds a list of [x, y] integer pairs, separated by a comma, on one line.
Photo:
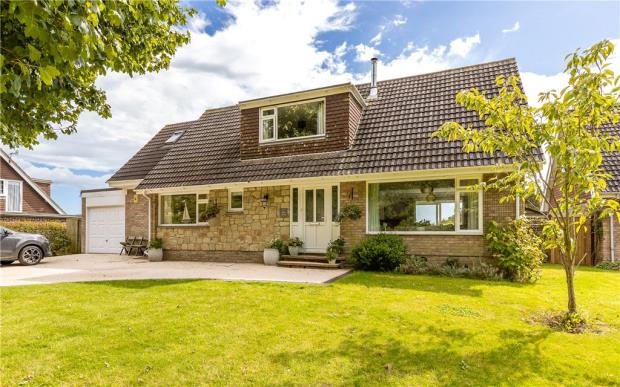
{"points": [[331, 261], [271, 257], [155, 255], [293, 250]]}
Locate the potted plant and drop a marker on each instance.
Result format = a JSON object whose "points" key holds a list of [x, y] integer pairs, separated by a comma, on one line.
{"points": [[211, 211], [334, 250], [155, 251], [349, 211], [294, 244], [271, 254]]}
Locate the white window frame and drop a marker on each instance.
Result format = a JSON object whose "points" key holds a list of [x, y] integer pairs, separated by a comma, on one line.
{"points": [[198, 201], [5, 194], [457, 220], [274, 116], [230, 193]]}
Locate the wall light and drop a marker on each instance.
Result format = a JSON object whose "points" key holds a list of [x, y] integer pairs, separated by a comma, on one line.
{"points": [[265, 201]]}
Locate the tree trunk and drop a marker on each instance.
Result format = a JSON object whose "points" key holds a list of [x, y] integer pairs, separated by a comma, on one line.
{"points": [[570, 276]]}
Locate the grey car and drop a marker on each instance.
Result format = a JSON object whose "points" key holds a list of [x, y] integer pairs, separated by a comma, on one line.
{"points": [[28, 249]]}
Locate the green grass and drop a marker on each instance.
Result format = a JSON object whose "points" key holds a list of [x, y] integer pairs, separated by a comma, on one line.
{"points": [[366, 329]]}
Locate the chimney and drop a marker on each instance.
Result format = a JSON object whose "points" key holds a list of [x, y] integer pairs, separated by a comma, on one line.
{"points": [[373, 79]]}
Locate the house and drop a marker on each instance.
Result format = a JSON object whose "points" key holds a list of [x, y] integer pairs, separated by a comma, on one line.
{"points": [[284, 166], [22, 196]]}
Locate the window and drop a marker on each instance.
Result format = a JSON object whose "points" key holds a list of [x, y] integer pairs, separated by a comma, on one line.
{"points": [[431, 205], [12, 191], [175, 137], [183, 209], [295, 210], [291, 121], [235, 201], [335, 203]]}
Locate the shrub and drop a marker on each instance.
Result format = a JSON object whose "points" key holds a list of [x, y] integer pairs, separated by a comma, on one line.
{"points": [[609, 265], [381, 252], [335, 248], [295, 242], [156, 243], [55, 232], [516, 249], [478, 270], [278, 244]]}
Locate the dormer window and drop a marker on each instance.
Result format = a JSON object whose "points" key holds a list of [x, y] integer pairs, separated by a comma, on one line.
{"points": [[174, 138], [293, 120]]}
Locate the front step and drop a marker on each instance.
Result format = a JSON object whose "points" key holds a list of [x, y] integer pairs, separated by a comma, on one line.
{"points": [[313, 264], [307, 258]]}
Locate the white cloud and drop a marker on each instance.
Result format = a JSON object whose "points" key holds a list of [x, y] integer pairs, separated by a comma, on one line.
{"points": [[365, 53], [376, 40], [61, 175], [399, 20], [514, 28], [462, 46]]}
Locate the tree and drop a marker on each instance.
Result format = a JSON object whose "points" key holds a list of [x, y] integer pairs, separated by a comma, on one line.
{"points": [[569, 126], [53, 51]]}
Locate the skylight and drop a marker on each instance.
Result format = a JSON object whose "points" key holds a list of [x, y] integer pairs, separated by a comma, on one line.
{"points": [[175, 137]]}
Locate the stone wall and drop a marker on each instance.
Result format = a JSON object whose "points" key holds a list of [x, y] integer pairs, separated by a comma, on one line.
{"points": [[231, 236]]}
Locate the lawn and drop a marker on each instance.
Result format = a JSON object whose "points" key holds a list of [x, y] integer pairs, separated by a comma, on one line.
{"points": [[365, 329]]}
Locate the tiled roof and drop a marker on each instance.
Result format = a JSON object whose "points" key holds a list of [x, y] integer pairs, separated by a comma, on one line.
{"points": [[393, 135], [611, 160]]}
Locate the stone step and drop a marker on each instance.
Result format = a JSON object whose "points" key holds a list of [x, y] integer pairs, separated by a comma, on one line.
{"points": [[307, 257], [316, 265]]}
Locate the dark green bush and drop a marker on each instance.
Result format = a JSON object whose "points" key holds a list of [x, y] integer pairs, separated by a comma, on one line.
{"points": [[381, 252], [55, 232], [609, 265], [517, 251]]}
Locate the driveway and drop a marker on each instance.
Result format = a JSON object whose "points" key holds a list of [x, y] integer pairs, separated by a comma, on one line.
{"points": [[106, 267]]}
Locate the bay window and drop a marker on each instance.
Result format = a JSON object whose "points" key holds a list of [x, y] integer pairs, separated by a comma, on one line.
{"points": [[183, 209], [439, 205], [290, 121]]}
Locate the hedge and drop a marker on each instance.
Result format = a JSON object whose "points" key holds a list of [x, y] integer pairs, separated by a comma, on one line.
{"points": [[55, 232]]}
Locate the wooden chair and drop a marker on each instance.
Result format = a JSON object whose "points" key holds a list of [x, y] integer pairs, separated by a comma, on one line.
{"points": [[126, 245], [139, 246]]}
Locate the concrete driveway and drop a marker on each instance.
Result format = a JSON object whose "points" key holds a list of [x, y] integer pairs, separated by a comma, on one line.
{"points": [[106, 267]]}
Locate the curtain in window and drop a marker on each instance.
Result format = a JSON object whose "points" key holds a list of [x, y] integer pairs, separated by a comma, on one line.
{"points": [[14, 198], [373, 207]]}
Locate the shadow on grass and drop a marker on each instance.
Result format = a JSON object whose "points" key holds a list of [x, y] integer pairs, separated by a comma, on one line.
{"points": [[424, 283], [447, 356]]}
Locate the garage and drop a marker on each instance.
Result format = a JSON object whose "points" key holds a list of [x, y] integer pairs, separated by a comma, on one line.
{"points": [[104, 220]]}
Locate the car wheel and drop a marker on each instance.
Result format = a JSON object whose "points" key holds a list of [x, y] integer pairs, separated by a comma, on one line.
{"points": [[6, 262], [30, 255]]}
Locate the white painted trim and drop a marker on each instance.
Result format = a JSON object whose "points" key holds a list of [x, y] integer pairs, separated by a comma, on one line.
{"points": [[21, 194], [307, 94], [457, 220], [124, 184], [230, 192], [31, 183], [381, 176], [274, 117]]}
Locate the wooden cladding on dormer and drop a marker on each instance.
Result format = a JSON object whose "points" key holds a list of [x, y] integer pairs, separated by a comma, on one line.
{"points": [[342, 116]]}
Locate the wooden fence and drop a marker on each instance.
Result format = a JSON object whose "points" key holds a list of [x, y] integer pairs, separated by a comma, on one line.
{"points": [[584, 249]]}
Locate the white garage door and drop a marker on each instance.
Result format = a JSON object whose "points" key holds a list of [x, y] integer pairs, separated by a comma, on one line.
{"points": [[105, 229]]}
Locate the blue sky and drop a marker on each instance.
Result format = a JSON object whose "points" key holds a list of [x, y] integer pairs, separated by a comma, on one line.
{"points": [[248, 50]]}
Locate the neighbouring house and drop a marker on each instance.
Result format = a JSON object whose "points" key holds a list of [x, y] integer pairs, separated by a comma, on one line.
{"points": [[285, 165], [601, 241], [22, 196]]}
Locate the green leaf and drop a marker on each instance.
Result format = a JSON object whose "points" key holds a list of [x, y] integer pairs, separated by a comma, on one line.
{"points": [[33, 53], [48, 73]]}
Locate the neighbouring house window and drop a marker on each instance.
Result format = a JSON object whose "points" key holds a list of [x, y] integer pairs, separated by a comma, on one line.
{"points": [[429, 205], [335, 202], [295, 210], [235, 201], [304, 119], [183, 209], [12, 191]]}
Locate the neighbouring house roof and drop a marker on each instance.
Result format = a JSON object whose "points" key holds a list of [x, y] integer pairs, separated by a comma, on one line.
{"points": [[31, 182], [611, 160], [394, 134]]}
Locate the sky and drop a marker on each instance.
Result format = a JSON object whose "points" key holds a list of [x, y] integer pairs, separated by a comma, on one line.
{"points": [[254, 49]]}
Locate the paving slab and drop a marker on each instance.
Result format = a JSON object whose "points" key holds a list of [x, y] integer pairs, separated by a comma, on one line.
{"points": [[107, 267]]}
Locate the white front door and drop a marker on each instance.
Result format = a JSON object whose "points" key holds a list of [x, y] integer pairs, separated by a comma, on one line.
{"points": [[311, 216]]}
